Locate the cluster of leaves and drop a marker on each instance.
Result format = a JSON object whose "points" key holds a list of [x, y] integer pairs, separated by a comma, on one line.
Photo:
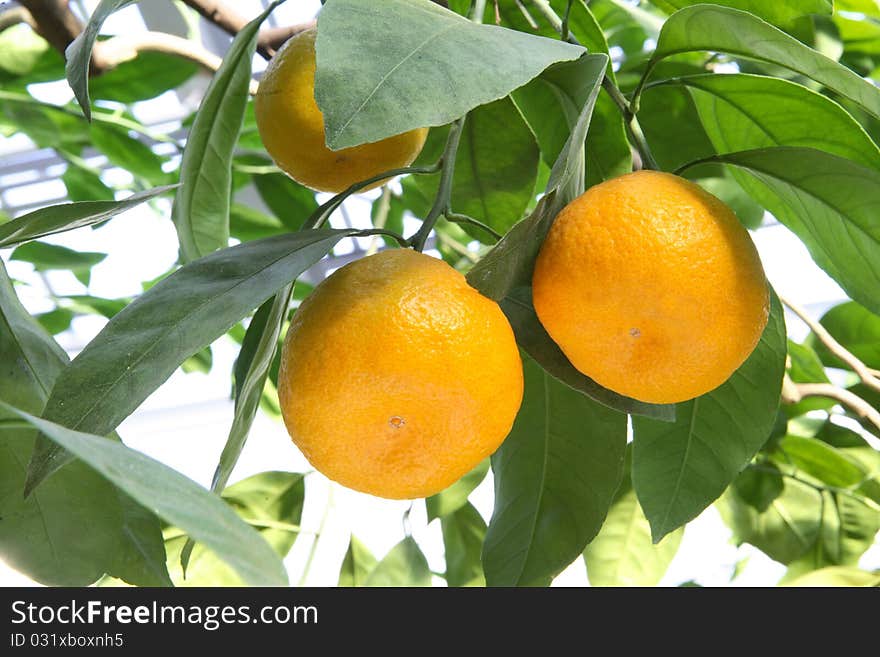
{"points": [[789, 129]]}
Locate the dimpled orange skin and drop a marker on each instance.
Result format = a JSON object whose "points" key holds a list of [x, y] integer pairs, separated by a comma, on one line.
{"points": [[651, 287], [397, 377], [292, 127]]}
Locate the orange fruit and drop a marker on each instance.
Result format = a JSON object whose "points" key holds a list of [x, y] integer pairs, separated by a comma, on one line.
{"points": [[292, 127], [397, 377], [651, 287]]}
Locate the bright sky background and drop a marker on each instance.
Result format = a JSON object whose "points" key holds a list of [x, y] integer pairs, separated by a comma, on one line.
{"points": [[184, 424]]}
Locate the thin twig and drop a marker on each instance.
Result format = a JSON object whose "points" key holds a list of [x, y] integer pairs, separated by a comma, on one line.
{"points": [[444, 190], [863, 371], [793, 392]]}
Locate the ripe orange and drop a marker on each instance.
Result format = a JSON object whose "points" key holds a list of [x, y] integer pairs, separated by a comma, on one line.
{"points": [[651, 287], [397, 377], [292, 127]]}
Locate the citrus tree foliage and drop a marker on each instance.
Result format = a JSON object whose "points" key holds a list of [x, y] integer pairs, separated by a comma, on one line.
{"points": [[555, 96]]}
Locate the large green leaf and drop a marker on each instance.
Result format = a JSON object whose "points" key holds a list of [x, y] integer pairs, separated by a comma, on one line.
{"points": [[778, 12], [680, 468], [742, 112], [785, 530], [67, 216], [827, 202], [555, 478], [463, 534], [821, 460], [456, 496], [201, 207], [84, 184], [79, 53], [52, 257], [143, 77], [370, 88], [251, 370], [288, 200], [173, 497], [622, 553], [722, 29], [143, 344], [357, 564], [511, 262], [271, 502], [496, 166], [857, 329], [43, 536], [128, 153], [404, 565], [534, 339]]}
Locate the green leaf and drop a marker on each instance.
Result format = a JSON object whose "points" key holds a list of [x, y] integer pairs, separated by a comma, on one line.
{"points": [[463, 534], [271, 502], [786, 530], [837, 576], [288, 200], [51, 257], [778, 12], [129, 153], [79, 52], [201, 207], [67, 216], [404, 565], [141, 561], [680, 468], [357, 565], [456, 496], [555, 478], [247, 224], [622, 553], [85, 185], [55, 321], [143, 345], [827, 202], [857, 329], [21, 50], [759, 487], [369, 88], [142, 78], [173, 497], [721, 29], [742, 112], [258, 348], [511, 262], [822, 461], [496, 166], [42, 536]]}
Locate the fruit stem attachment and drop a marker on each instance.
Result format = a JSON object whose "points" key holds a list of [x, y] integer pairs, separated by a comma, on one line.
{"points": [[319, 216], [633, 128], [444, 191]]}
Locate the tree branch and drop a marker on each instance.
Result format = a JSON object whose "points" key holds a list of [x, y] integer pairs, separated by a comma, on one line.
{"points": [[119, 49], [269, 40], [54, 21], [15, 17], [863, 371], [793, 392]]}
